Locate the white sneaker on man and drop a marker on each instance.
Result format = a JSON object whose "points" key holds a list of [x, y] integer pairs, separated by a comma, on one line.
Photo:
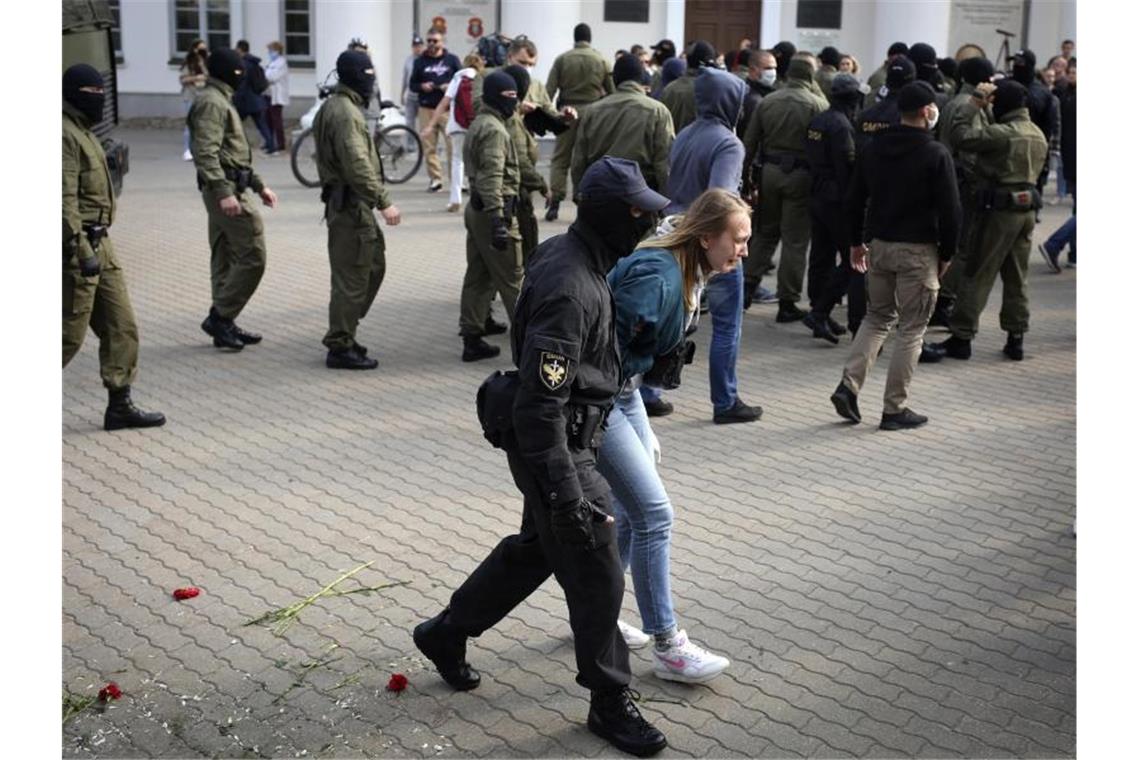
{"points": [[686, 662], [635, 638], [187, 155]]}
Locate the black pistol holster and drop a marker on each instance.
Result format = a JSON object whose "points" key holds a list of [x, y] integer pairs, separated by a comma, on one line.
{"points": [[495, 404], [585, 426], [666, 370]]}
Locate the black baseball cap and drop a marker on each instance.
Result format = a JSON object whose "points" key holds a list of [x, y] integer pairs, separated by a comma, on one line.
{"points": [[1025, 58], [417, 40], [619, 179], [899, 72]]}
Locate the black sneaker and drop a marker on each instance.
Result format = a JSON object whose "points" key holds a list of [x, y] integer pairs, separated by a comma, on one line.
{"points": [[247, 338], [903, 420], [738, 412], [658, 408], [435, 186], [954, 347], [447, 650], [1052, 259], [818, 324], [475, 348], [1014, 347], [615, 718], [789, 312], [846, 403], [349, 358], [491, 327], [222, 331]]}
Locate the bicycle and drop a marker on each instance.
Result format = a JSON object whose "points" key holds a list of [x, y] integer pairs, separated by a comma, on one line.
{"points": [[398, 147]]}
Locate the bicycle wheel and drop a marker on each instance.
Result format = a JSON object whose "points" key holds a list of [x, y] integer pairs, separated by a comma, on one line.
{"points": [[304, 160], [401, 153]]}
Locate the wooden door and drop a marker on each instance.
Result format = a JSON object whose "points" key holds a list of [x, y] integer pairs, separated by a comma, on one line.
{"points": [[722, 23]]}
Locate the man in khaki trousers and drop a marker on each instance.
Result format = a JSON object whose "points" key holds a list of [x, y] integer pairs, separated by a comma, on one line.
{"points": [[912, 220]]}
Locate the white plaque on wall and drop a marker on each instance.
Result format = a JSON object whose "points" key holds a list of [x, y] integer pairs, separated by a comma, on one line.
{"points": [[975, 22], [464, 21], [815, 40]]}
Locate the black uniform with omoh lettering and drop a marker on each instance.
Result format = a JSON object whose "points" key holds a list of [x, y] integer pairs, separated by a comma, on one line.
{"points": [[565, 347]]}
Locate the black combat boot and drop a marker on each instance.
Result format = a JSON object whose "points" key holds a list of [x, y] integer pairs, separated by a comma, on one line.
{"points": [[122, 413], [1014, 348], [954, 347], [552, 211], [615, 718], [475, 348], [846, 403], [222, 331], [789, 312], [491, 327], [447, 650], [930, 354], [349, 358], [820, 327], [247, 338]]}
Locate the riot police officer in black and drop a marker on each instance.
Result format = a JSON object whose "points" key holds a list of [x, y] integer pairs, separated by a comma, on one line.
{"points": [[885, 112], [569, 370]]}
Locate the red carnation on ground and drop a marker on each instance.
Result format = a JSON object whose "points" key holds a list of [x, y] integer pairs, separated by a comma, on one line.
{"points": [[109, 692], [398, 682], [186, 593]]}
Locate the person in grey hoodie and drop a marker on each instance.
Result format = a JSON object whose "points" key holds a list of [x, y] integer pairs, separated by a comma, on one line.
{"points": [[707, 154]]}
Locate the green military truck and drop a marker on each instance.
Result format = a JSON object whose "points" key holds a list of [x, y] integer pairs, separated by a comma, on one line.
{"points": [[87, 26]]}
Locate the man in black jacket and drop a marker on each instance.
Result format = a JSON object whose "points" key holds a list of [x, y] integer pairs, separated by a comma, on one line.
{"points": [[913, 221], [569, 371], [885, 112]]}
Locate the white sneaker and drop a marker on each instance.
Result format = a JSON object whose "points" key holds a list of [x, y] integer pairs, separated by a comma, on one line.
{"points": [[187, 155], [634, 637], [686, 662]]}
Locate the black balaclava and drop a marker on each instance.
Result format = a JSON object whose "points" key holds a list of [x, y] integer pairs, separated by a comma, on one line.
{"points": [[897, 48], [354, 69], [829, 56], [700, 54], [974, 71], [628, 68], [1009, 96], [90, 104], [783, 51], [522, 79], [1024, 67], [948, 67], [925, 61], [582, 33], [226, 64], [619, 230], [494, 86]]}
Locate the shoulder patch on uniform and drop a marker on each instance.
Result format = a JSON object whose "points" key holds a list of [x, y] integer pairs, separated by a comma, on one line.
{"points": [[552, 370]]}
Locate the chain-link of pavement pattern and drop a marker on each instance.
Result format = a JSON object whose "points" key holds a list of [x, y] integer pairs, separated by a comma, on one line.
{"points": [[904, 594]]}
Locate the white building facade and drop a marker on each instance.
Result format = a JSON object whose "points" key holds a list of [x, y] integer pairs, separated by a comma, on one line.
{"points": [[153, 35]]}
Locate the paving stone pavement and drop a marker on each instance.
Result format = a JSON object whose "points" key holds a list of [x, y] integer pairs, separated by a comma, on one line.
{"points": [[880, 594]]}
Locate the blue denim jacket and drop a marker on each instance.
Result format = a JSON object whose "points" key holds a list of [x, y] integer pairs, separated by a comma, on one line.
{"points": [[649, 307]]}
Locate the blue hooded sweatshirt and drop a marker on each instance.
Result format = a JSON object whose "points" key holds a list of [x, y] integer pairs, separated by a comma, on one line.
{"points": [[707, 154]]}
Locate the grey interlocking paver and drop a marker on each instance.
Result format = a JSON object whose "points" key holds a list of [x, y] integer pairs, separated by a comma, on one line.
{"points": [[879, 594]]}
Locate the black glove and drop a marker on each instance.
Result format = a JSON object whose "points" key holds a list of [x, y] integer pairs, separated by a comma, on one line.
{"points": [[500, 233], [571, 523]]}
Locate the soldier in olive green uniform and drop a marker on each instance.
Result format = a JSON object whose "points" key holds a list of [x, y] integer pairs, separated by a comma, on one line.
{"points": [[777, 134], [628, 124], [1010, 154], [494, 252], [526, 150], [349, 169], [94, 288], [225, 170], [580, 77]]}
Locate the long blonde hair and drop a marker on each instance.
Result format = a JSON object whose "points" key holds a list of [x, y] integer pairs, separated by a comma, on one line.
{"points": [[707, 216]]}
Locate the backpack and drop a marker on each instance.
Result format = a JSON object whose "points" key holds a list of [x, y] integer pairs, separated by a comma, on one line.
{"points": [[464, 107], [258, 84], [493, 50]]}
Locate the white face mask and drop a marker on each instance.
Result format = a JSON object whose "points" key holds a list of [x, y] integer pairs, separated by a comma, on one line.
{"points": [[931, 122], [768, 77]]}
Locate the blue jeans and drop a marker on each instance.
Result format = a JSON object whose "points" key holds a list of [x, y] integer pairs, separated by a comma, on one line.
{"points": [[726, 307], [642, 509], [1066, 234]]}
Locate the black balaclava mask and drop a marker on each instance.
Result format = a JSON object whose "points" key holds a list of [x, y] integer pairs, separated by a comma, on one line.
{"points": [[90, 104], [611, 220], [783, 51], [974, 71], [226, 64], [354, 69], [522, 79], [495, 88], [1009, 96], [1024, 67]]}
